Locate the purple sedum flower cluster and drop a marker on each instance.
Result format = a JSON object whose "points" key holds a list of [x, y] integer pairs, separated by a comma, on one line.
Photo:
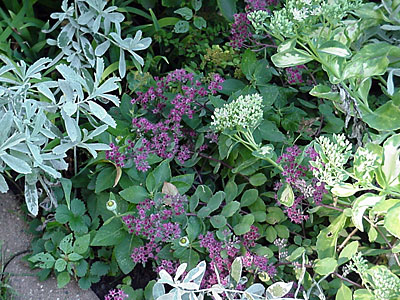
{"points": [[223, 253], [240, 29], [297, 176], [165, 135], [116, 294], [154, 222]]}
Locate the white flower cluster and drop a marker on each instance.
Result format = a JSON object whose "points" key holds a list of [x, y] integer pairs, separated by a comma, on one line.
{"points": [[245, 111], [258, 19], [386, 284], [333, 155], [303, 14]]}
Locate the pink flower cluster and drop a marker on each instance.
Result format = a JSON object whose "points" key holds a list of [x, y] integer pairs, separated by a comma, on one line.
{"points": [[294, 75], [223, 253], [240, 30], [115, 155], [154, 223], [163, 133], [297, 176], [116, 294]]}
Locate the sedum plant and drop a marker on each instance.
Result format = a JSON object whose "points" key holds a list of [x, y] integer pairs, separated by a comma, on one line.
{"points": [[238, 119]]}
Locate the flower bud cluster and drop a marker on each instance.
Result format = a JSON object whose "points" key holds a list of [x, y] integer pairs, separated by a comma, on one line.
{"points": [[244, 112], [329, 166]]}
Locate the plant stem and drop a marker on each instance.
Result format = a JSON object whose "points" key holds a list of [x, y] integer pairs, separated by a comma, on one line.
{"points": [[348, 280], [347, 239]]}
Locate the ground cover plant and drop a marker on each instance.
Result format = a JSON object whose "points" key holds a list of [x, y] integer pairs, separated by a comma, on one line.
{"points": [[230, 149]]}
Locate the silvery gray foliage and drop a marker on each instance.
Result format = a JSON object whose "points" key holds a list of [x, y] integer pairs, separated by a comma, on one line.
{"points": [[188, 288], [27, 128], [90, 20], [28, 100]]}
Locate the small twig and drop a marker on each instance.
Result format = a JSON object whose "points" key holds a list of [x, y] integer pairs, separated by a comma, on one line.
{"points": [[347, 239], [348, 280], [384, 237]]}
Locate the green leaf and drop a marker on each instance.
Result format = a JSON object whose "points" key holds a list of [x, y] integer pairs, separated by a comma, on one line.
{"points": [[218, 221], [231, 191], [249, 63], [162, 173], [270, 234], [249, 197], [344, 293], [230, 209], [335, 48], [363, 294], [193, 228], [325, 266], [199, 22], [296, 254], [81, 244], [282, 231], [327, 238], [227, 8], [384, 118], [196, 4], [66, 244], [216, 200], [270, 132], [63, 279], [181, 26], [185, 12], [110, 234], [60, 265], [74, 257], [347, 252], [99, 268], [43, 260], [244, 225], [63, 214], [291, 58], [67, 188], [134, 194], [105, 179], [78, 207], [258, 179], [324, 92], [360, 206], [392, 220], [123, 252], [183, 182]]}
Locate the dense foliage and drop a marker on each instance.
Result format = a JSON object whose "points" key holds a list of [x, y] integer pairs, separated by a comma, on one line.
{"points": [[238, 149]]}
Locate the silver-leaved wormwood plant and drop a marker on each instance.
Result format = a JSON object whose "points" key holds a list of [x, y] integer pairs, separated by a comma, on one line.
{"points": [[30, 102]]}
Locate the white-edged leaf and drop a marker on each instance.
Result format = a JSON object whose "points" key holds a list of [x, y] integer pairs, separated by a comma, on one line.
{"points": [[181, 269], [279, 289], [335, 48], [16, 164], [101, 114], [360, 206], [70, 108], [3, 184], [122, 63], [73, 129], [44, 89], [31, 198]]}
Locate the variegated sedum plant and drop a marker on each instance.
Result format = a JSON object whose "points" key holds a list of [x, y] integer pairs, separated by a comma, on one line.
{"points": [[42, 106]]}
